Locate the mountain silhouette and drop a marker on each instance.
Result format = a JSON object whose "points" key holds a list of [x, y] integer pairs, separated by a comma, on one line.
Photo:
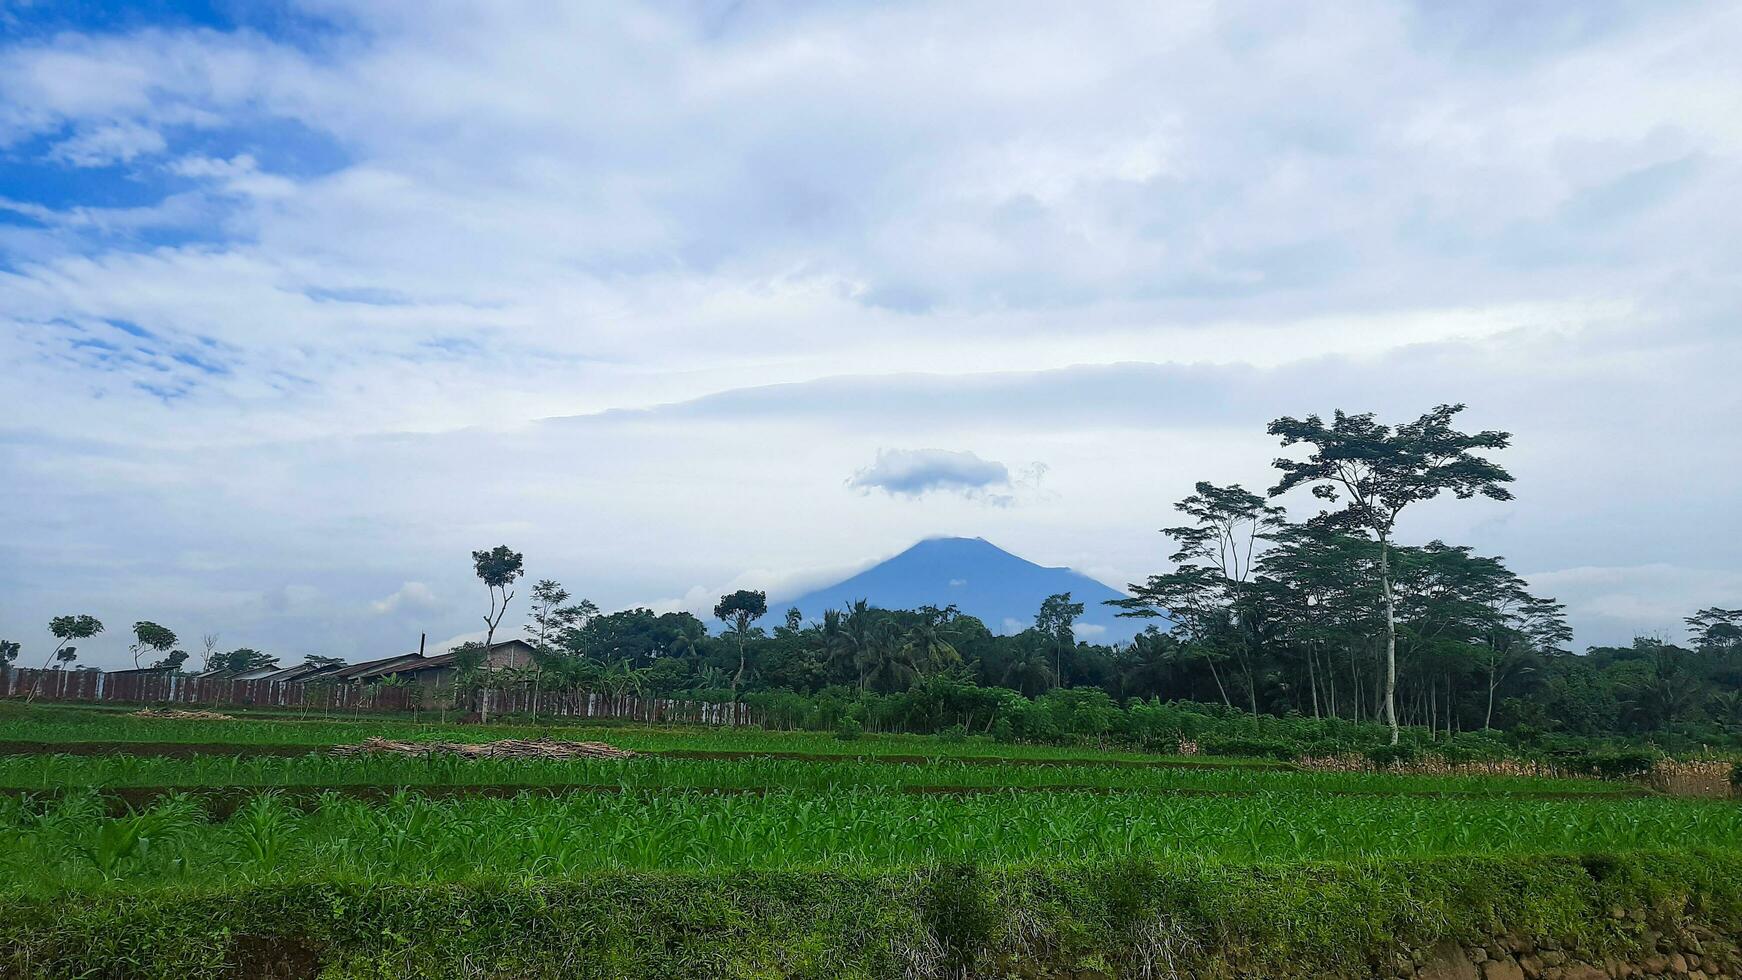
{"points": [[977, 577]]}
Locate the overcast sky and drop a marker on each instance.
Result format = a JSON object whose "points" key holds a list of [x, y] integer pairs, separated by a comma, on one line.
{"points": [[301, 303]]}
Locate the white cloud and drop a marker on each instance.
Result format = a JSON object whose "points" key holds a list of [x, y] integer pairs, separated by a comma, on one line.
{"points": [[412, 597], [103, 145], [917, 472], [304, 293]]}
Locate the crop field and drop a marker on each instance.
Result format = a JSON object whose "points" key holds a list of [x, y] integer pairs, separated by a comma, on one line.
{"points": [[756, 853], [66, 726]]}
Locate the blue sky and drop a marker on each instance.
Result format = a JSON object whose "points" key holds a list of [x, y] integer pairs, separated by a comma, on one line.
{"points": [[302, 302]]}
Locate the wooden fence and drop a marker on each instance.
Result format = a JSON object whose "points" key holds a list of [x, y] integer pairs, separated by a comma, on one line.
{"points": [[96, 687]]}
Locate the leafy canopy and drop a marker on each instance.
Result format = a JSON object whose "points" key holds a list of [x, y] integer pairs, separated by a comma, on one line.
{"points": [[1382, 470]]}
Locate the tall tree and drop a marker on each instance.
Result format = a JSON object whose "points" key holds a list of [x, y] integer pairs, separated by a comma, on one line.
{"points": [[890, 663], [8, 652], [1716, 630], [498, 568], [1214, 561], [1531, 628], [66, 629], [740, 611], [1377, 472], [553, 615], [928, 640], [1057, 621], [150, 637]]}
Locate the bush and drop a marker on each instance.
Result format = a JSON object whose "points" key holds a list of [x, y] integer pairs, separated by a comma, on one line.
{"points": [[1253, 747], [849, 730], [1386, 756], [1736, 775], [1617, 764], [954, 733]]}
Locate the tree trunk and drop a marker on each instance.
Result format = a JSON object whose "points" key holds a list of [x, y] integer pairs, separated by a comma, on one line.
{"points": [[1390, 639], [1313, 680], [1493, 682], [1217, 675]]}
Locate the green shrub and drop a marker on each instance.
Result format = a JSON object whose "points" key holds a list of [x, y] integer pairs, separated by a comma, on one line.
{"points": [[849, 730], [1617, 764], [1252, 747], [1386, 756]]}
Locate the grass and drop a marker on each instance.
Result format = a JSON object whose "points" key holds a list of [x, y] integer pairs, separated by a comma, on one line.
{"points": [[67, 844], [59, 724], [1131, 918], [831, 868], [47, 772]]}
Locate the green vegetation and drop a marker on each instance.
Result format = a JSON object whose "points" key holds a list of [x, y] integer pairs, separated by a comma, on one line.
{"points": [[880, 823], [44, 772], [781, 861], [1130, 918], [67, 843]]}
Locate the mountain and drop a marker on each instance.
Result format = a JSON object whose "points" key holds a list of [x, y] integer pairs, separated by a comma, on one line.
{"points": [[979, 578]]}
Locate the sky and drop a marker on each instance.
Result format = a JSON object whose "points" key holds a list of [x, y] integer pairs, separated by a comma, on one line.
{"points": [[302, 302]]}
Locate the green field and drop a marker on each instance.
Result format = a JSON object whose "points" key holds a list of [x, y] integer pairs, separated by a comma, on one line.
{"points": [[765, 854], [64, 724]]}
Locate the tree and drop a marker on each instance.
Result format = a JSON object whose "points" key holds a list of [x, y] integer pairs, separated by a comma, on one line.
{"points": [[499, 568], [1056, 620], [1381, 471], [1027, 670], [66, 629], [148, 636], [243, 659], [1532, 627], [171, 661], [319, 662], [1211, 585], [739, 611], [552, 617], [1716, 630], [208, 649], [928, 640], [889, 661], [8, 652]]}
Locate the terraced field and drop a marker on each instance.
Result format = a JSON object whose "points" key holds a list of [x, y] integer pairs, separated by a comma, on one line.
{"points": [[716, 853]]}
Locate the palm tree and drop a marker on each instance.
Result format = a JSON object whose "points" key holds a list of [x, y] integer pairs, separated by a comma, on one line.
{"points": [[1669, 693], [929, 647], [1727, 708], [1028, 670], [887, 661], [854, 638], [1148, 663]]}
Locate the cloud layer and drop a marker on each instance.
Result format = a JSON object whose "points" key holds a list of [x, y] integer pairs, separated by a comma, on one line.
{"points": [[283, 296]]}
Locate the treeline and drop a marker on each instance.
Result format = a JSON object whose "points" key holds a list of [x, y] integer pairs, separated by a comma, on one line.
{"points": [[1328, 618]]}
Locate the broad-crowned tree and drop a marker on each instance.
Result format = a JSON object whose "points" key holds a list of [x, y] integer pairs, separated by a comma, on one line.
{"points": [[1716, 630], [1057, 621], [66, 629], [148, 637], [739, 611], [1211, 586], [1376, 472]]}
